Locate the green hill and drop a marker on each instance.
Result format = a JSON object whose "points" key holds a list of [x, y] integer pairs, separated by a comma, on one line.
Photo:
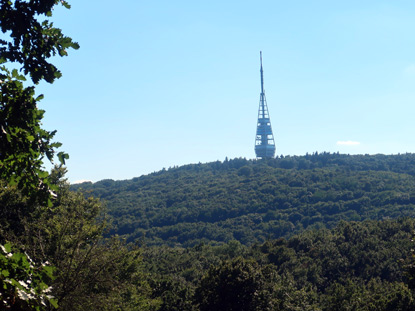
{"points": [[253, 201]]}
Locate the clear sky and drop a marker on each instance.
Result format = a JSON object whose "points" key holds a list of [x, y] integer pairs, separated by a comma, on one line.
{"points": [[162, 83]]}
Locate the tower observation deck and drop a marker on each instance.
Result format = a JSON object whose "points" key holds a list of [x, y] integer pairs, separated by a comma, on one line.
{"points": [[264, 140]]}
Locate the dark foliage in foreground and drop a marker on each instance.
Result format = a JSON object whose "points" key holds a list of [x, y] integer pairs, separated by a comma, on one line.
{"points": [[355, 266]]}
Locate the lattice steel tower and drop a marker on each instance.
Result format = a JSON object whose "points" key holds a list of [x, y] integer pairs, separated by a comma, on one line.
{"points": [[264, 141]]}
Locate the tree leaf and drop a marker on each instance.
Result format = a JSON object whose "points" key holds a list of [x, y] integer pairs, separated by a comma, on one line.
{"points": [[8, 247]]}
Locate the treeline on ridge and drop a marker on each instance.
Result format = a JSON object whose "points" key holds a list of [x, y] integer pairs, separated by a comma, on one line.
{"points": [[252, 201]]}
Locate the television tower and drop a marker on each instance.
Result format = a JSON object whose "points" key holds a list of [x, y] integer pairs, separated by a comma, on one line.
{"points": [[264, 140]]}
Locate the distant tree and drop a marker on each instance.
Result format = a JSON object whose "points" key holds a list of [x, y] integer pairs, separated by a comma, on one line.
{"points": [[287, 163], [236, 285], [245, 171]]}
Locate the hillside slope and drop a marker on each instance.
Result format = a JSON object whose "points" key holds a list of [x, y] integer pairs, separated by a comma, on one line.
{"points": [[252, 201]]}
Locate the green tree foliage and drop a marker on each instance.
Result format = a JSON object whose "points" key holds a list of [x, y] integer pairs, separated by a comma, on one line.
{"points": [[29, 40], [252, 201], [33, 38], [375, 295], [354, 266], [234, 285], [24, 283], [410, 268], [92, 272], [23, 143]]}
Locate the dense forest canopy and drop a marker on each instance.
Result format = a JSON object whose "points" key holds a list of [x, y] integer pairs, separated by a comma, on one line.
{"points": [[252, 201], [354, 266]]}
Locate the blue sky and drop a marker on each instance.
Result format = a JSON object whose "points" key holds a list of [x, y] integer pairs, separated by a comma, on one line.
{"points": [[162, 83]]}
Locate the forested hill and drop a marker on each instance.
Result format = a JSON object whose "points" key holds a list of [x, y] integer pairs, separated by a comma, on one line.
{"points": [[252, 201]]}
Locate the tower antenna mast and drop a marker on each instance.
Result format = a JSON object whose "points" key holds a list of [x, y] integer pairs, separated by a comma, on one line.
{"points": [[264, 140], [262, 74]]}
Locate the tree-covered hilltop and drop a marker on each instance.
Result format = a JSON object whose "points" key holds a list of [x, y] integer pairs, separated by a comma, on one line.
{"points": [[252, 201]]}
